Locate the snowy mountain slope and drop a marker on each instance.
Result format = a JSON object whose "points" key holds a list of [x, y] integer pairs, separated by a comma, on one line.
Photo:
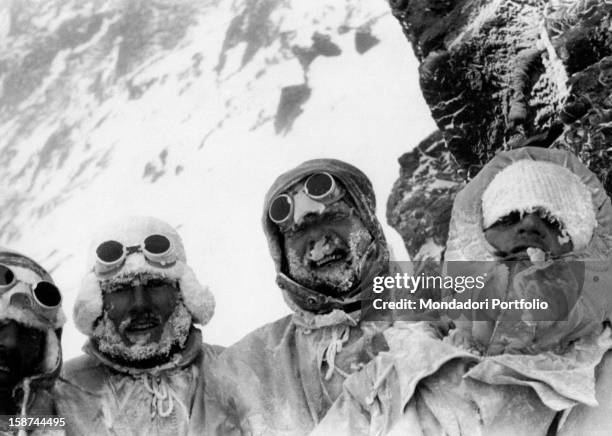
{"points": [[188, 110]]}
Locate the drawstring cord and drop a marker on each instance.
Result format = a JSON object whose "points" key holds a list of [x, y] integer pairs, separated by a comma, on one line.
{"points": [[158, 388], [24, 404], [329, 352]]}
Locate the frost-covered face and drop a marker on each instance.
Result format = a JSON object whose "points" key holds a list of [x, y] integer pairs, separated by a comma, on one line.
{"points": [[140, 312], [21, 351], [513, 234], [142, 321], [324, 249]]}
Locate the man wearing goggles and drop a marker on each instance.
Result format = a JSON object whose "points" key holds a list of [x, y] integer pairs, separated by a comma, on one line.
{"points": [[145, 359], [326, 243], [31, 320]]}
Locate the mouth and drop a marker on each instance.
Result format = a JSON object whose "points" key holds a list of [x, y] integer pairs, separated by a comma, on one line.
{"points": [[532, 251], [141, 326], [330, 259]]}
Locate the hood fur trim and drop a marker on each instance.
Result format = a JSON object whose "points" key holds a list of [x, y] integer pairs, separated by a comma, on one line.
{"points": [[88, 306]]}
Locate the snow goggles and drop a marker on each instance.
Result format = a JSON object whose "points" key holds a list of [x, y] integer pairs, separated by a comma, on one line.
{"points": [[156, 248], [320, 187], [43, 298]]}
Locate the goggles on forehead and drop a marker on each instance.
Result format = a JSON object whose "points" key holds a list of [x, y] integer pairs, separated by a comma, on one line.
{"points": [[42, 298], [320, 187], [111, 255]]}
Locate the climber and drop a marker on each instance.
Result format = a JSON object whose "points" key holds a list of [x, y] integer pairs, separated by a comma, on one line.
{"points": [[327, 244], [31, 320], [145, 364], [541, 223]]}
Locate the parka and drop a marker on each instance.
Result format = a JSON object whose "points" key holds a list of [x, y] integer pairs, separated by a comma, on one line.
{"points": [[430, 383], [282, 378], [101, 397]]}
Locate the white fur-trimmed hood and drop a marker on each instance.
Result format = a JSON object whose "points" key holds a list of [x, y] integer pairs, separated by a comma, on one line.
{"points": [[132, 231]]}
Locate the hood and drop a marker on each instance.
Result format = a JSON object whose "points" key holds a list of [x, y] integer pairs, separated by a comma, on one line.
{"points": [[466, 239], [51, 363], [593, 306], [360, 191]]}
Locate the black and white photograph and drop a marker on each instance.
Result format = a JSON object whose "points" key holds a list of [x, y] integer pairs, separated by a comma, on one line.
{"points": [[306, 217]]}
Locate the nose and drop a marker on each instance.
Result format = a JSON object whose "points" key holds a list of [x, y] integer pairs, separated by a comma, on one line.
{"points": [[531, 224], [322, 243], [304, 205], [141, 298], [8, 336], [319, 248]]}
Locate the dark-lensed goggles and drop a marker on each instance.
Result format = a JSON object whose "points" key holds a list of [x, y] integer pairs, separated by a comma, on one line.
{"points": [[155, 248], [42, 298], [320, 187]]}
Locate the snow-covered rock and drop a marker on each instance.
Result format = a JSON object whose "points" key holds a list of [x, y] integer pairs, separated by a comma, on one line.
{"points": [[498, 75]]}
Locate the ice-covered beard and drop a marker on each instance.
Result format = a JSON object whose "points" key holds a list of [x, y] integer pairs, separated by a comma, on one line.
{"points": [[175, 332], [338, 278]]}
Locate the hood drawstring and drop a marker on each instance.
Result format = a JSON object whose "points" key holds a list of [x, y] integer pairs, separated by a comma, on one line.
{"points": [[158, 388], [339, 336], [24, 404]]}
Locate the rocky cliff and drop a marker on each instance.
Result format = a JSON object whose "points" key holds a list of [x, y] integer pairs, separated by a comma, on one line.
{"points": [[499, 74]]}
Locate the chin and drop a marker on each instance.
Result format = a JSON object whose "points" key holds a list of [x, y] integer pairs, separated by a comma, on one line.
{"points": [[143, 338]]}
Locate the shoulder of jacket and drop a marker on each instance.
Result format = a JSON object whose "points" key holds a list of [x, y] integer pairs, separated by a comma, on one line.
{"points": [[263, 337], [211, 350], [84, 371], [80, 364]]}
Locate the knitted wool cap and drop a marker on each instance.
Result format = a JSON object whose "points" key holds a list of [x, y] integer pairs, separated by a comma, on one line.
{"points": [[131, 232], [528, 184]]}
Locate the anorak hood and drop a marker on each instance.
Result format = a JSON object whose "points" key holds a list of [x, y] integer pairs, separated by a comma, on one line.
{"points": [[593, 304], [359, 188], [466, 240], [131, 232], [25, 269]]}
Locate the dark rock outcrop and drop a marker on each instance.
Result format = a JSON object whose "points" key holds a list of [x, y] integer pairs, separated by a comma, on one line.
{"points": [[498, 75]]}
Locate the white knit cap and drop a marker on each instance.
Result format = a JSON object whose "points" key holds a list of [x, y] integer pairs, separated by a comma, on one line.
{"points": [[131, 232], [527, 185]]}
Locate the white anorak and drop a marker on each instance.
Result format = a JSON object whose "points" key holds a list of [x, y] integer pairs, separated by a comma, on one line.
{"points": [[101, 397], [282, 378]]}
